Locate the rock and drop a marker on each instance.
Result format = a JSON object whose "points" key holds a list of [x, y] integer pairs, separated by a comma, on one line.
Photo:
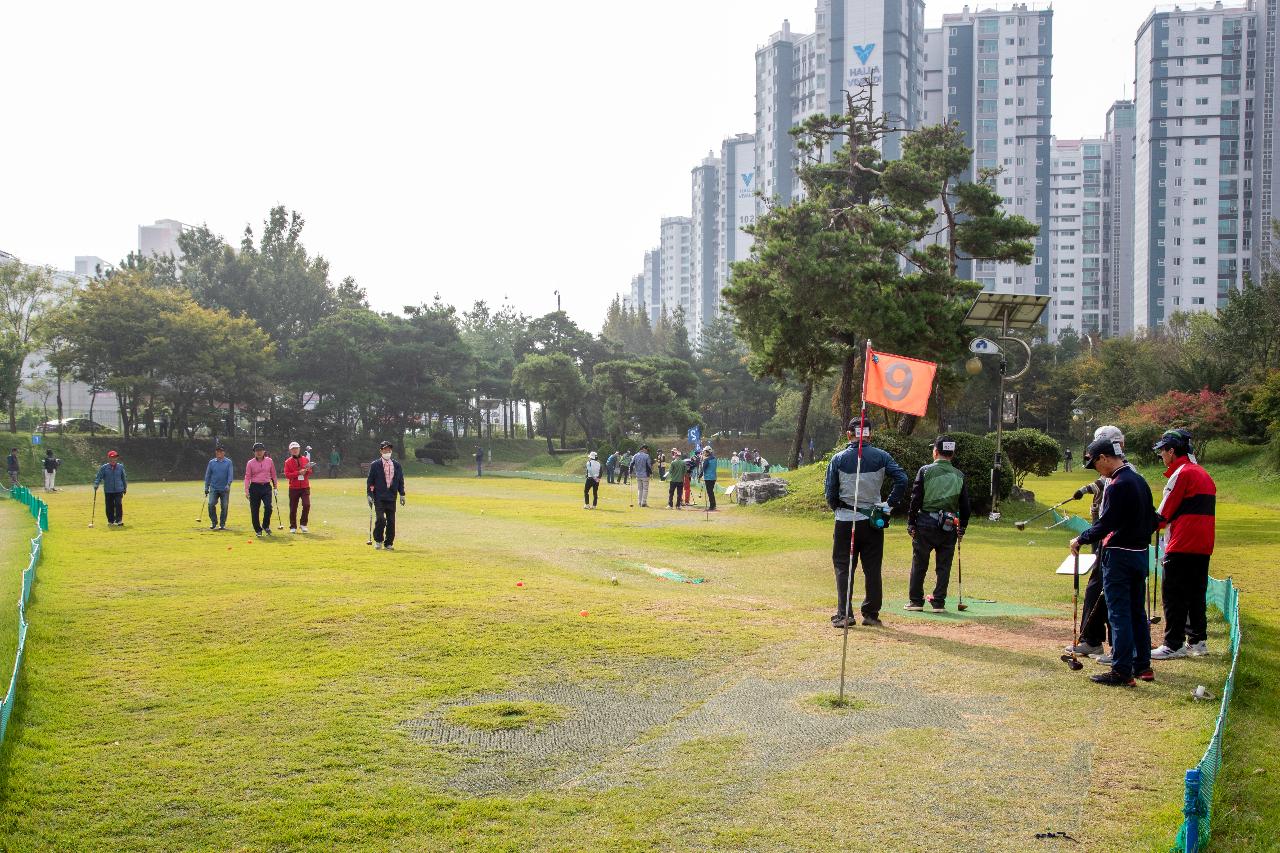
{"points": [[753, 476], [760, 489]]}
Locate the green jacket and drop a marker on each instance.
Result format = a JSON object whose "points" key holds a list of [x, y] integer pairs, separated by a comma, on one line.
{"points": [[676, 472], [939, 487]]}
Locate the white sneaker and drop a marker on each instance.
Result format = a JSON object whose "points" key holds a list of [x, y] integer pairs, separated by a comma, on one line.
{"points": [[1084, 649], [377, 546], [292, 530], [1165, 653], [303, 528], [1104, 660], [586, 506], [1196, 650]]}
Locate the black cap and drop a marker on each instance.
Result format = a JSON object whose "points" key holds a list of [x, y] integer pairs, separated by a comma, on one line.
{"points": [[384, 445], [1102, 447], [1177, 440], [944, 444], [258, 445], [218, 447]]}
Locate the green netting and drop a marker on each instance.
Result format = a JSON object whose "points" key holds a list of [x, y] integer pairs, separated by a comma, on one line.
{"points": [[1074, 523], [1200, 781], [40, 512]]}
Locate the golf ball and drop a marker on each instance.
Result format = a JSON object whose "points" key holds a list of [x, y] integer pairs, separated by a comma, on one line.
{"points": [[583, 613], [519, 583], [613, 581]]}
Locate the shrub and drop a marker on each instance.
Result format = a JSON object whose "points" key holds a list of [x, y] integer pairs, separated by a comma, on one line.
{"points": [[441, 449], [1205, 414], [1029, 451], [974, 455]]}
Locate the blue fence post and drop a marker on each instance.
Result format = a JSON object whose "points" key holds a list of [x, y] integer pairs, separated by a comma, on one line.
{"points": [[1191, 811]]}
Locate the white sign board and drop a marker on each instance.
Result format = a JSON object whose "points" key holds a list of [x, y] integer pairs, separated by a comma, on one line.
{"points": [[1086, 563]]}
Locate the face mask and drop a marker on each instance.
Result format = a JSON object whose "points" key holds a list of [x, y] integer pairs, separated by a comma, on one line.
{"points": [[386, 455]]}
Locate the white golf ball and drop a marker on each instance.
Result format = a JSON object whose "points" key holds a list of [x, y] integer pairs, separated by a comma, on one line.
{"points": [[613, 581]]}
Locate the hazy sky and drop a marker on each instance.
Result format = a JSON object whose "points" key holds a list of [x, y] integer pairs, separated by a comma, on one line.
{"points": [[498, 150]]}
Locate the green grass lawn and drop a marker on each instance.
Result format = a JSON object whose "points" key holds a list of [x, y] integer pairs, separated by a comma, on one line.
{"points": [[186, 689]]}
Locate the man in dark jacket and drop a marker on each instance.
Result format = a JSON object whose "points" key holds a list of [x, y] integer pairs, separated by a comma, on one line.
{"points": [[385, 482], [1095, 626], [12, 463], [114, 484], [855, 537], [1124, 529], [936, 520], [1187, 511]]}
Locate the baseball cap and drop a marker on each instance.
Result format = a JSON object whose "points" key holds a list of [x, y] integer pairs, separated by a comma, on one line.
{"points": [[294, 444], [1102, 447], [219, 448], [945, 444], [1110, 432], [591, 455], [258, 445], [385, 445], [1177, 440], [855, 424], [111, 454]]}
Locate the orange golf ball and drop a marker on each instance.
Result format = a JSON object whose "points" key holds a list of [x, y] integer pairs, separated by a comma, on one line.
{"points": [[519, 583], [583, 613]]}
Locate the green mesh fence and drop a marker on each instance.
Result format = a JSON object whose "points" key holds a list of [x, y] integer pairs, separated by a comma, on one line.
{"points": [[40, 512], [1198, 793]]}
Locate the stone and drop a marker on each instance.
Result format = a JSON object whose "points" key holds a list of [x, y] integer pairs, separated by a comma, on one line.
{"points": [[758, 491], [752, 476]]}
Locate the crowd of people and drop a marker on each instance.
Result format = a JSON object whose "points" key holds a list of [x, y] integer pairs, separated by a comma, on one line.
{"points": [[681, 471], [1124, 521]]}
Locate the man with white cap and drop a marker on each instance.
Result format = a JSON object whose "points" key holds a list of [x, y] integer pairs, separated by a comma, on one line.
{"points": [[591, 491], [297, 470], [1095, 628]]}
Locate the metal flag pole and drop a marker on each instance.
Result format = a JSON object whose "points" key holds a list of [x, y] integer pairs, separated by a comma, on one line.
{"points": [[853, 533]]}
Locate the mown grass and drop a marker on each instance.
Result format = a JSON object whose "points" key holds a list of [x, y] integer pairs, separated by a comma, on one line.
{"points": [[196, 690]]}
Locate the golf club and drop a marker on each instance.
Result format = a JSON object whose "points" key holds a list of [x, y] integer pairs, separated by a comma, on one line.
{"points": [[204, 502], [275, 504], [1154, 584], [1070, 658], [960, 573], [370, 540], [1022, 525], [94, 512], [631, 492]]}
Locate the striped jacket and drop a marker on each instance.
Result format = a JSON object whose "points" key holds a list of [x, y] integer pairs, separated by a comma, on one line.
{"points": [[1188, 508]]}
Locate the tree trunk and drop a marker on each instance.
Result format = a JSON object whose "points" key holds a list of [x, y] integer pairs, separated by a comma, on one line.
{"points": [[844, 390], [803, 424], [907, 424], [58, 375], [528, 419], [564, 427], [13, 413], [547, 431]]}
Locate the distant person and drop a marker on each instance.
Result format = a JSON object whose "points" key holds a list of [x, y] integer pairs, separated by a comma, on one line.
{"points": [[1124, 528], [479, 454], [677, 477], [218, 475], [307, 453], [591, 490], [611, 466], [12, 463], [735, 462], [690, 469], [114, 484], [709, 463], [625, 464], [51, 466], [259, 483], [1066, 459], [385, 482], [335, 461], [662, 466], [298, 471], [937, 515], [853, 521], [642, 465], [764, 465], [1187, 511]]}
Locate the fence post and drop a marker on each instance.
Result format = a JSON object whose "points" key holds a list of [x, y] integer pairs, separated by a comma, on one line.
{"points": [[1191, 811]]}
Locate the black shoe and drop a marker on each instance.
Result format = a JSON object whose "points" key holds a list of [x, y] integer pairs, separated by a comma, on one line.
{"points": [[842, 622], [872, 621], [266, 530], [1113, 679], [388, 547], [213, 526]]}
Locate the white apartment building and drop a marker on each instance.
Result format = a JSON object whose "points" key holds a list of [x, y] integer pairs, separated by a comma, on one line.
{"points": [[1079, 206], [1120, 141], [991, 71], [704, 250], [676, 289], [1198, 207], [735, 210], [160, 238]]}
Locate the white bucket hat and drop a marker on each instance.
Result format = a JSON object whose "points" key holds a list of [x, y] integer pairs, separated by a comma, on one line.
{"points": [[294, 444]]}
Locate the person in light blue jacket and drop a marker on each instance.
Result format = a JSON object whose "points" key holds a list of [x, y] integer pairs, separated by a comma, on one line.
{"points": [[114, 484], [217, 486]]}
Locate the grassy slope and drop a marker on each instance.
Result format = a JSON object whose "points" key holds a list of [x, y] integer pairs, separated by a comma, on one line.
{"points": [[186, 689]]}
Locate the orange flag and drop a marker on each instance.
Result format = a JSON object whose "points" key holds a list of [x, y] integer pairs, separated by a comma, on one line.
{"points": [[898, 383]]}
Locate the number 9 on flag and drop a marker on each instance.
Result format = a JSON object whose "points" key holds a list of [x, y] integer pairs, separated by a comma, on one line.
{"points": [[898, 383]]}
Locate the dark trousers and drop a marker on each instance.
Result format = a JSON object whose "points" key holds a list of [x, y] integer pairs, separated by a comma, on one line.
{"points": [[333, 470], [260, 501], [626, 475], [930, 538], [1095, 627], [1186, 581], [297, 496], [217, 497], [384, 521], [1124, 583], [612, 473], [114, 502], [869, 549], [591, 491], [675, 491], [710, 486]]}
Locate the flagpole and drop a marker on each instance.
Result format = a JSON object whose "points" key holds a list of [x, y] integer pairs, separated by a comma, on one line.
{"points": [[853, 532]]}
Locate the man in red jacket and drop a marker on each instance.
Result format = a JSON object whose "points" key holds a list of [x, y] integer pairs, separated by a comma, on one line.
{"points": [[1187, 513], [298, 470]]}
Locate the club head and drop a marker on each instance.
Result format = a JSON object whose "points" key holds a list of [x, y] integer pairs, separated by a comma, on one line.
{"points": [[1155, 620], [962, 607], [1072, 663], [91, 524], [1020, 525]]}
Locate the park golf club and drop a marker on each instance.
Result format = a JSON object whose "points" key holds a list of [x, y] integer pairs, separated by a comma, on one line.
{"points": [[370, 540], [94, 512], [204, 502], [960, 573], [1022, 525], [1070, 658]]}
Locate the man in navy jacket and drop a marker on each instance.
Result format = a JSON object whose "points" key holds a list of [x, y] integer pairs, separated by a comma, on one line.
{"points": [[386, 481], [868, 544]]}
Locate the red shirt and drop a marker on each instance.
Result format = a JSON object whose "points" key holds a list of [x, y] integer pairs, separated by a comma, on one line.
{"points": [[298, 474], [1188, 508]]}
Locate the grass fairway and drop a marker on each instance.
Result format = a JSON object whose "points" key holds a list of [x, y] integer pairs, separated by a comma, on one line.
{"points": [[187, 689]]}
